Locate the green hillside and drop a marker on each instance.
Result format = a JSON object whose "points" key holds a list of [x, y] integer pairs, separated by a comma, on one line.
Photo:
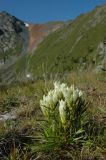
{"points": [[74, 46], [77, 45]]}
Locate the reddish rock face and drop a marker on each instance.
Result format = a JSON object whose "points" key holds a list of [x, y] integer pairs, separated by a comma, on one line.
{"points": [[25, 36], [37, 32]]}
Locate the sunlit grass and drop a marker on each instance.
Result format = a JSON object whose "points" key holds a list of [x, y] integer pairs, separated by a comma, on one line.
{"points": [[30, 120]]}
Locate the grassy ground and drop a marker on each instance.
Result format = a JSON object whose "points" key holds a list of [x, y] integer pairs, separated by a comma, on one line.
{"points": [[21, 139]]}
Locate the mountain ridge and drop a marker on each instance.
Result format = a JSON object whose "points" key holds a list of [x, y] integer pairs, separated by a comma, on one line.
{"points": [[63, 47], [15, 33]]}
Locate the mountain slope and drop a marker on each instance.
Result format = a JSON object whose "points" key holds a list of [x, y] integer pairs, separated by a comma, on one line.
{"points": [[37, 32], [18, 38], [77, 45], [80, 44], [13, 38]]}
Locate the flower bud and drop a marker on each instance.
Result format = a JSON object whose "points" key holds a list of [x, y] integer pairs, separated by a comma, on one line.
{"points": [[44, 108], [62, 111]]}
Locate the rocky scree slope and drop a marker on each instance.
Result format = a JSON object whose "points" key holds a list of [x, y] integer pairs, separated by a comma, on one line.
{"points": [[37, 33], [13, 38], [17, 39]]}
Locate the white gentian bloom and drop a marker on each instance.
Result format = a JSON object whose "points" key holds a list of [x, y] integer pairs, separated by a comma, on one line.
{"points": [[66, 93], [45, 101], [44, 108], [55, 97], [69, 100], [63, 86], [57, 89], [63, 95], [50, 92], [75, 95], [57, 85], [62, 111], [72, 88], [49, 100], [81, 93], [60, 89]]}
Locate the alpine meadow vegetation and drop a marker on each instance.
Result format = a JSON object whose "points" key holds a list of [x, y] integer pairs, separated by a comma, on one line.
{"points": [[54, 118]]}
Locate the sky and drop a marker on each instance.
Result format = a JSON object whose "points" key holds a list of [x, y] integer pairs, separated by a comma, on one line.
{"points": [[41, 11]]}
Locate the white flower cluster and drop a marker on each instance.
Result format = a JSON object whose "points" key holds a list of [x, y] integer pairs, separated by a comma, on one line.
{"points": [[62, 96]]}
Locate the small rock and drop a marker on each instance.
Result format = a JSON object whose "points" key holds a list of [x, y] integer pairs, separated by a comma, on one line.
{"points": [[7, 116]]}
